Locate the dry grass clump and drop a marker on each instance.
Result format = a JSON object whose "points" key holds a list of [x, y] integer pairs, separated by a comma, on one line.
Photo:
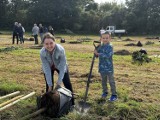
{"points": [[122, 52]]}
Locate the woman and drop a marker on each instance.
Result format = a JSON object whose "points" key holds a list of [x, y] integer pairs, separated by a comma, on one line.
{"points": [[54, 59]]}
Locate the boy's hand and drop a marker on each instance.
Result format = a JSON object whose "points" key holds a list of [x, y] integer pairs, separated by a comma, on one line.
{"points": [[96, 53]]}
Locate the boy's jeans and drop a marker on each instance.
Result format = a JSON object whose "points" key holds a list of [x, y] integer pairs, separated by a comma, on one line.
{"points": [[105, 77]]}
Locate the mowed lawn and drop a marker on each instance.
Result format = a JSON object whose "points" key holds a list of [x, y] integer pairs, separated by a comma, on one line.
{"points": [[138, 86]]}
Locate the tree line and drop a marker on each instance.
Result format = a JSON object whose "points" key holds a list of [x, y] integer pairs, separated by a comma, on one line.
{"points": [[82, 16]]}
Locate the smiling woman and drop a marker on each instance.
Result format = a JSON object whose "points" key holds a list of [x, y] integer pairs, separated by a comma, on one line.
{"points": [[53, 59]]}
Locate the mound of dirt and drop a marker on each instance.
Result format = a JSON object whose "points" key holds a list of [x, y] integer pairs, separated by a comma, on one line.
{"points": [[122, 52], [139, 44], [75, 42], [130, 44], [29, 39], [128, 39], [36, 47], [152, 38]]}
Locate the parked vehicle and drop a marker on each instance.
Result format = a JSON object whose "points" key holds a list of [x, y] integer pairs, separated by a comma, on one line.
{"points": [[112, 30]]}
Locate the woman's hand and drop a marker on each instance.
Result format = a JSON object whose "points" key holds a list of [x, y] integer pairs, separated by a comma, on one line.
{"points": [[57, 86], [49, 88]]}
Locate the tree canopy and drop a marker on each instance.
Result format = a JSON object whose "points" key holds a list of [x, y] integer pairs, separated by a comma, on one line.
{"points": [[136, 16]]}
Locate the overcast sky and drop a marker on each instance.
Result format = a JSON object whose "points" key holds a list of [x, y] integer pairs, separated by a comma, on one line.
{"points": [[102, 1]]}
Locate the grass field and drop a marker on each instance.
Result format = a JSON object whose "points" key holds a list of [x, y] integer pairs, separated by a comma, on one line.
{"points": [[138, 86]]}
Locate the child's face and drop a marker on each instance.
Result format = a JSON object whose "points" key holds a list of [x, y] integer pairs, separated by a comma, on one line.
{"points": [[105, 38]]}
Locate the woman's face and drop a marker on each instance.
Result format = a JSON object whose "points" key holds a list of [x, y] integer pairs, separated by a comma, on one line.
{"points": [[49, 44]]}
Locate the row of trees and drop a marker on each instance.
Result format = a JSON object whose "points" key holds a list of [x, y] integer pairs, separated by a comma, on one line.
{"points": [[136, 16]]}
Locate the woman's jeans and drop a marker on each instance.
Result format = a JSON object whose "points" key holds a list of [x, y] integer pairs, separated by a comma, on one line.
{"points": [[66, 82]]}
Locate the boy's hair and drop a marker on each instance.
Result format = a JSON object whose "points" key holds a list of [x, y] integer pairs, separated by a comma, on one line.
{"points": [[48, 35], [106, 32]]}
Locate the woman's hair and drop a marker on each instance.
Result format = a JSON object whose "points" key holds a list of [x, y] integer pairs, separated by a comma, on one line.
{"points": [[48, 35]]}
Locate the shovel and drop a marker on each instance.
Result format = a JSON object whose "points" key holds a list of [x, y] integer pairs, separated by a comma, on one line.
{"points": [[82, 105]]}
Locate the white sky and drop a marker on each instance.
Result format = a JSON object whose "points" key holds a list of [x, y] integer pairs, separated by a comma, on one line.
{"points": [[102, 1]]}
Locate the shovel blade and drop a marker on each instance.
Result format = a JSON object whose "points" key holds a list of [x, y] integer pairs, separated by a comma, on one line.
{"points": [[83, 107]]}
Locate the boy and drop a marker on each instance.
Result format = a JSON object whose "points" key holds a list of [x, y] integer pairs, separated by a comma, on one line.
{"points": [[105, 52]]}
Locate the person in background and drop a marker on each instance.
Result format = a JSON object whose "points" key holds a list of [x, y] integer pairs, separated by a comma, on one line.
{"points": [[105, 53], [45, 29], [41, 31], [51, 30], [15, 32], [21, 31], [35, 31], [53, 59]]}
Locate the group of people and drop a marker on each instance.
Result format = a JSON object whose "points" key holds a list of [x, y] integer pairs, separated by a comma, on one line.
{"points": [[18, 32], [53, 59], [41, 30]]}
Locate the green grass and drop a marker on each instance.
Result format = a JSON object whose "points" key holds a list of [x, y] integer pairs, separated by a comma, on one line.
{"points": [[137, 85], [8, 87], [78, 55]]}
